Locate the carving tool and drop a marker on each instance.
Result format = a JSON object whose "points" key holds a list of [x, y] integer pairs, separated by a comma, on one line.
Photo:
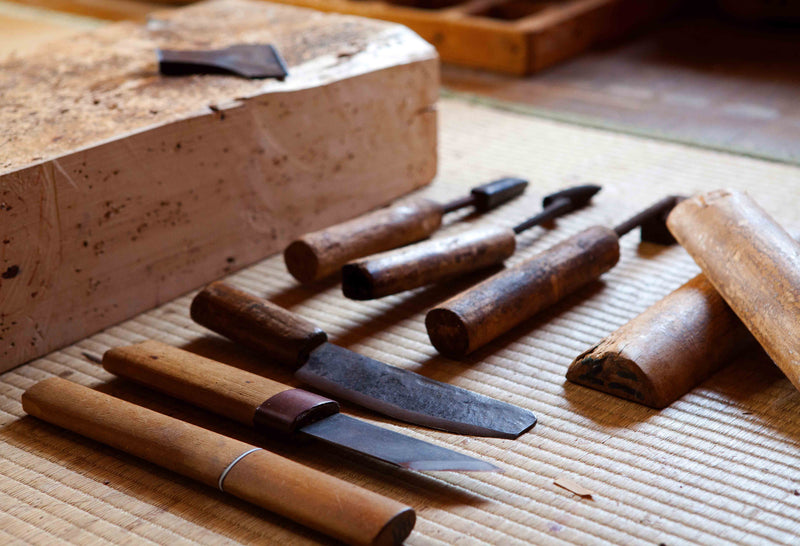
{"points": [[402, 394], [480, 314], [666, 351], [430, 261], [272, 407], [339, 509], [752, 262], [322, 253], [245, 60]]}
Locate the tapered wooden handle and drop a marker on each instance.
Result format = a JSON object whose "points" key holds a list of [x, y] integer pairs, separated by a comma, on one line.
{"points": [[225, 390], [666, 351], [752, 262], [320, 254], [256, 323], [426, 262], [334, 507], [478, 315]]}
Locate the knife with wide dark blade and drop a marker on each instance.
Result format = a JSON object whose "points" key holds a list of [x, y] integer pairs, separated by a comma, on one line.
{"points": [[402, 394], [272, 407]]}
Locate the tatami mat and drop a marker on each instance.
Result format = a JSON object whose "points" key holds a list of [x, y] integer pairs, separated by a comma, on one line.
{"points": [[719, 466]]}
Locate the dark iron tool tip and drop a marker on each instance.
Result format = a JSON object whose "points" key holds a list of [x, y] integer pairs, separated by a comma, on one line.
{"points": [[245, 60], [577, 196], [652, 221], [488, 196]]}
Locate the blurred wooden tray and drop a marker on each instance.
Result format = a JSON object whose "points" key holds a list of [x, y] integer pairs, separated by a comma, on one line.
{"points": [[513, 36]]}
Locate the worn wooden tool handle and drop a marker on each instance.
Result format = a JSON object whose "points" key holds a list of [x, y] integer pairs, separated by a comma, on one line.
{"points": [[339, 509], [225, 390], [426, 262], [320, 254], [478, 315], [256, 323], [666, 351], [752, 262]]}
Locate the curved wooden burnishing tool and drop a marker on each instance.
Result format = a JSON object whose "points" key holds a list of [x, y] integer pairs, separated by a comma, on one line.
{"points": [[430, 261], [667, 350], [329, 505], [320, 254], [480, 314], [752, 262], [273, 408]]}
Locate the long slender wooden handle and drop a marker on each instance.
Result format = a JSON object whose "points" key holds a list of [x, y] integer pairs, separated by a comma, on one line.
{"points": [[478, 315], [752, 262], [225, 390], [426, 262], [337, 508], [666, 351], [256, 323], [320, 254]]}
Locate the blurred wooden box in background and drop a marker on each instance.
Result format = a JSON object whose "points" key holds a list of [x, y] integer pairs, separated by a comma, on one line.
{"points": [[121, 189]]}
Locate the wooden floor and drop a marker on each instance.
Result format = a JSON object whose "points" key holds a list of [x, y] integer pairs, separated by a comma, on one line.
{"points": [[696, 78]]}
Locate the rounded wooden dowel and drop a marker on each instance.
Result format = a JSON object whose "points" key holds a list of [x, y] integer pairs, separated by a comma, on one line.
{"points": [[426, 262], [224, 390], [256, 323], [317, 255], [339, 509], [478, 315], [665, 352], [752, 262]]}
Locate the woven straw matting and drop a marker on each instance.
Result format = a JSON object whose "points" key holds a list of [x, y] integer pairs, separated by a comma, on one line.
{"points": [[717, 467]]}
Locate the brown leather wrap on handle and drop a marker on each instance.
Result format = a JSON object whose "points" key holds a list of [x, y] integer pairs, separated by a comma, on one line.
{"points": [[426, 262], [667, 350], [256, 323], [480, 314], [224, 390], [339, 509], [320, 254], [752, 262]]}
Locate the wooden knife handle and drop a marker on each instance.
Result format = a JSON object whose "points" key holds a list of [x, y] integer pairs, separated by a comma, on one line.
{"points": [[426, 262], [225, 390], [666, 351], [320, 254], [256, 323], [752, 262], [478, 315], [334, 507]]}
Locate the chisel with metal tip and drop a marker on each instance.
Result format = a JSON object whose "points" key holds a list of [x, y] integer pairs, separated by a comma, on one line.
{"points": [[343, 374], [320, 254], [271, 407], [342, 510], [478, 315], [426, 262]]}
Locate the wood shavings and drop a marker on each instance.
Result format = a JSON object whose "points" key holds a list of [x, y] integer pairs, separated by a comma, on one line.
{"points": [[573, 487]]}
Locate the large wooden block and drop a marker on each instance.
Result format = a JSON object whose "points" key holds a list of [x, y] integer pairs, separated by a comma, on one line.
{"points": [[121, 189]]}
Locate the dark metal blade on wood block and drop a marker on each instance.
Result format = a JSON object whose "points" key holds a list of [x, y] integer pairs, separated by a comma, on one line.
{"points": [[246, 60]]}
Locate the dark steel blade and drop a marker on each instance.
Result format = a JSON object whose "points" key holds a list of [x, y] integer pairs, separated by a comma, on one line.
{"points": [[247, 60], [391, 447], [409, 396]]}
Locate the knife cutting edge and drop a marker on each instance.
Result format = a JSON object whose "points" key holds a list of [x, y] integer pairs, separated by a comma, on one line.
{"points": [[398, 393], [271, 407]]}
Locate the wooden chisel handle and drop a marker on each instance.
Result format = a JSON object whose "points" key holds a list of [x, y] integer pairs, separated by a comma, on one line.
{"points": [[245, 397], [256, 323], [478, 315], [329, 505], [322, 253], [426, 262], [666, 351], [752, 262]]}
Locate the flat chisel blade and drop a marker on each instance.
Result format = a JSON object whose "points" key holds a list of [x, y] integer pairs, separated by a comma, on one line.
{"points": [[410, 397], [391, 447]]}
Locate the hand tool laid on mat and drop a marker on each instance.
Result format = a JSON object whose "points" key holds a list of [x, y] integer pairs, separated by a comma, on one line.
{"points": [[668, 350], [272, 407], [342, 510], [288, 339], [752, 262], [430, 261], [478, 315], [320, 254]]}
